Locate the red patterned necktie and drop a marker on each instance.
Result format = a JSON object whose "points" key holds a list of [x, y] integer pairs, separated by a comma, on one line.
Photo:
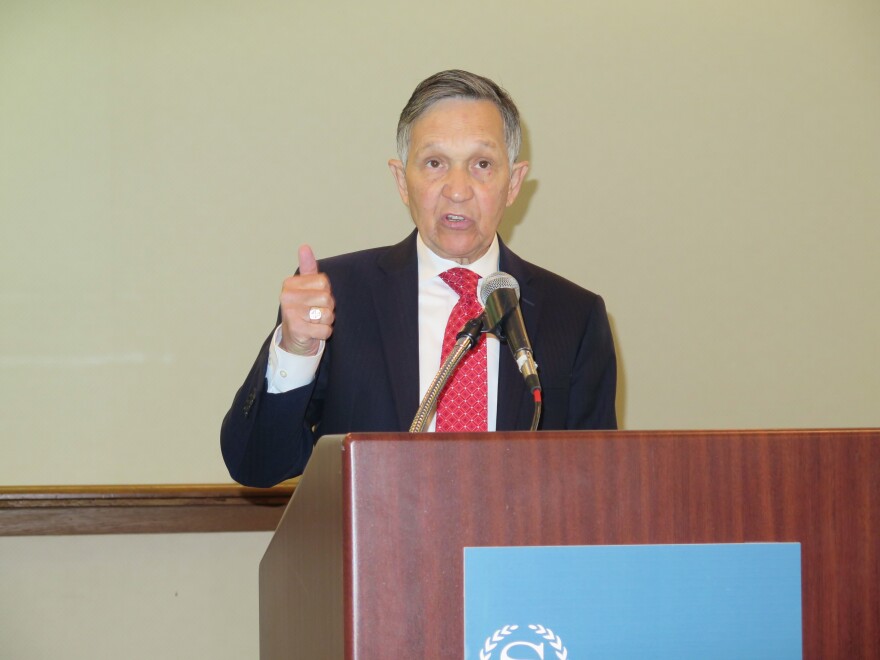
{"points": [[462, 405]]}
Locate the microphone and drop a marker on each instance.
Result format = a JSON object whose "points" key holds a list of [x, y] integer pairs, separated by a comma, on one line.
{"points": [[499, 294]]}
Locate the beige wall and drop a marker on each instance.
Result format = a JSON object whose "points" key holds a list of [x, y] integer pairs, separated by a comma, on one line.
{"points": [[710, 168], [144, 597]]}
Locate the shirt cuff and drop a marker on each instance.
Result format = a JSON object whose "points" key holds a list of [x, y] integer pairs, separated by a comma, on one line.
{"points": [[286, 371]]}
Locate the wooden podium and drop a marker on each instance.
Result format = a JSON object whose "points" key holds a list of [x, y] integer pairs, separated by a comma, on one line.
{"points": [[367, 560]]}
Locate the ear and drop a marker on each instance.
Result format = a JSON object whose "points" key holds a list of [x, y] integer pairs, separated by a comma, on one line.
{"points": [[399, 172], [517, 176]]}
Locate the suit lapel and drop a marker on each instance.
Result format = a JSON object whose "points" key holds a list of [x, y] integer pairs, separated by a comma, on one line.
{"points": [[511, 386], [395, 297]]}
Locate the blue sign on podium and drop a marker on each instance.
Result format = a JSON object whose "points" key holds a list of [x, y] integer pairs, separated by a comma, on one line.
{"points": [[736, 601]]}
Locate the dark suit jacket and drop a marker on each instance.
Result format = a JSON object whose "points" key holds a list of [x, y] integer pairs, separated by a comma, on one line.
{"points": [[368, 378]]}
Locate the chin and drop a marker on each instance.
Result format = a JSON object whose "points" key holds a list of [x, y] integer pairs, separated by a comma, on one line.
{"points": [[460, 253]]}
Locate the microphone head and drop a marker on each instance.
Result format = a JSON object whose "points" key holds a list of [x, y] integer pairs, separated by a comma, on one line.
{"points": [[494, 282]]}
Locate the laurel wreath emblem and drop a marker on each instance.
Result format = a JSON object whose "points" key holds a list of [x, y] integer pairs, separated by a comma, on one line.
{"points": [[555, 641], [493, 640]]}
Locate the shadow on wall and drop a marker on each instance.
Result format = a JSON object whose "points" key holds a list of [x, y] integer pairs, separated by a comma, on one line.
{"points": [[514, 216], [621, 376]]}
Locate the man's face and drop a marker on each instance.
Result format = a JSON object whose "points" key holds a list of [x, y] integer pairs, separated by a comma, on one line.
{"points": [[458, 180]]}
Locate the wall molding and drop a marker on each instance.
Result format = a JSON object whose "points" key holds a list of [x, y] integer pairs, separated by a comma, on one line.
{"points": [[141, 509]]}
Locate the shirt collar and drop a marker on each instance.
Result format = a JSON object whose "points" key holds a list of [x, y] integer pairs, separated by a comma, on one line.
{"points": [[431, 264]]}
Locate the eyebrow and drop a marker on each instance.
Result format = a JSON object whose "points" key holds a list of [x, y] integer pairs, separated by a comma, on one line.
{"points": [[491, 144]]}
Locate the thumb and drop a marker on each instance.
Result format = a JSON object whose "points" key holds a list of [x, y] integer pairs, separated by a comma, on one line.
{"points": [[307, 263]]}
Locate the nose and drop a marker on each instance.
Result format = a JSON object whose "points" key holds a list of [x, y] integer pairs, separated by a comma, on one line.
{"points": [[457, 186]]}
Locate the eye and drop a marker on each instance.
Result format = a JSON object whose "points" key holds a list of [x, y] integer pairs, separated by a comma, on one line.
{"points": [[484, 164], [432, 163]]}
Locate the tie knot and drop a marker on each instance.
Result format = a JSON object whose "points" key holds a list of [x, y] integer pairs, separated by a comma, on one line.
{"points": [[461, 280]]}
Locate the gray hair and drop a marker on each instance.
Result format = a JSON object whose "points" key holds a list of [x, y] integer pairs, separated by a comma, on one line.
{"points": [[457, 84]]}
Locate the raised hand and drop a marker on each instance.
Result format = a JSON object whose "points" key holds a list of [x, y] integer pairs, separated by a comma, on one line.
{"points": [[307, 307]]}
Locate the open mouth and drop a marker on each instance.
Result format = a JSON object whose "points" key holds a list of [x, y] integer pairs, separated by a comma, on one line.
{"points": [[452, 217]]}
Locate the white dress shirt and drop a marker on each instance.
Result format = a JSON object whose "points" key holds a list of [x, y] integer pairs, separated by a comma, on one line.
{"points": [[286, 371]]}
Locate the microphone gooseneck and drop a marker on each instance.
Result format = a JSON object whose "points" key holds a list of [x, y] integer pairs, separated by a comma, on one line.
{"points": [[466, 339]]}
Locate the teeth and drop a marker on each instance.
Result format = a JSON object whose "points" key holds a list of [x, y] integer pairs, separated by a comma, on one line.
{"points": [[455, 218]]}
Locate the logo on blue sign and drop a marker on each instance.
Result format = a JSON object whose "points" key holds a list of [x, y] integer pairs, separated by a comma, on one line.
{"points": [[665, 602], [532, 642]]}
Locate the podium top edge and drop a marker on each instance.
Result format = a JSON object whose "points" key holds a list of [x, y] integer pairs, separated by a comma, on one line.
{"points": [[796, 433]]}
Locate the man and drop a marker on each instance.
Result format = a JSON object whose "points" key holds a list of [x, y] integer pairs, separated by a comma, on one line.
{"points": [[359, 336]]}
